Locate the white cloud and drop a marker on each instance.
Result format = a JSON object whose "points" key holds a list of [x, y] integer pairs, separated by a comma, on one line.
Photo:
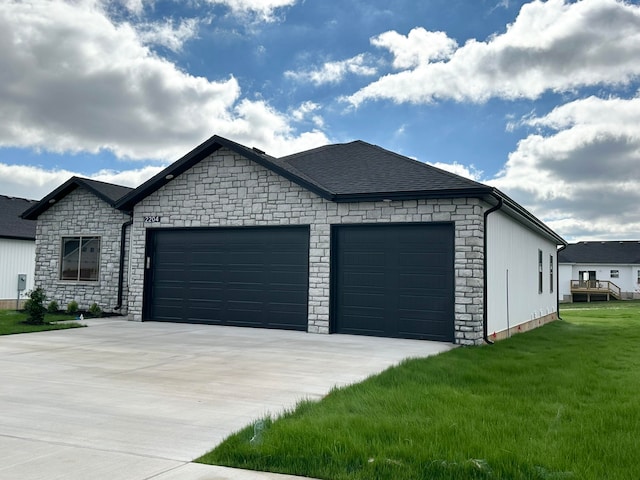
{"points": [[256, 124], [552, 46], [264, 10], [418, 48], [134, 6], [584, 160], [306, 111], [36, 182], [165, 34], [71, 80], [467, 171], [335, 72]]}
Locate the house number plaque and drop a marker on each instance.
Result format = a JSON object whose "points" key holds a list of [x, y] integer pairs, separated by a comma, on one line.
{"points": [[152, 219]]}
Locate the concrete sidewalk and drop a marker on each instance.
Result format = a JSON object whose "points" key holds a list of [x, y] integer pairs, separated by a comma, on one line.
{"points": [[133, 401]]}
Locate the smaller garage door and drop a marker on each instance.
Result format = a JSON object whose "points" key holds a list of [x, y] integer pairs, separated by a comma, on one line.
{"points": [[253, 277], [394, 280]]}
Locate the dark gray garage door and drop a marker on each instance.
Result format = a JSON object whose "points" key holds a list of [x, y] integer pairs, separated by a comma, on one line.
{"points": [[256, 277], [394, 280]]}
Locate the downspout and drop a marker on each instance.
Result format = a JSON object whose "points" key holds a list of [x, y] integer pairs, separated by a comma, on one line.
{"points": [[558, 281], [123, 235], [485, 334]]}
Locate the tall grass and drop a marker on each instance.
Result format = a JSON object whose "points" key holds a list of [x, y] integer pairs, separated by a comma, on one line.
{"points": [[562, 401]]}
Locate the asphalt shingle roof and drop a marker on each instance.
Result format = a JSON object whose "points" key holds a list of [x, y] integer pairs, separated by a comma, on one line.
{"points": [[109, 191], [612, 252], [346, 172], [11, 224], [359, 168]]}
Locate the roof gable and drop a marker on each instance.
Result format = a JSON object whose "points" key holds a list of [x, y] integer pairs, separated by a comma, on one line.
{"points": [[612, 252], [203, 151], [11, 224], [108, 192]]}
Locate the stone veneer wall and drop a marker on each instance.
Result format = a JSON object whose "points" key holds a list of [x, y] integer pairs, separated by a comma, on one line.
{"points": [[80, 213], [228, 190]]}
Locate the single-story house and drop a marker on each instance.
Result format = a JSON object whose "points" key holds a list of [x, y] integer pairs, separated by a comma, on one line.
{"points": [[600, 270], [346, 238], [17, 251]]}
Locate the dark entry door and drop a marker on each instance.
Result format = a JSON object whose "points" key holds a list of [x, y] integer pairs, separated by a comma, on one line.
{"points": [[256, 277], [394, 280]]}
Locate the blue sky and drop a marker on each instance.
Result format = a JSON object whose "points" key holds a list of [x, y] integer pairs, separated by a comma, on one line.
{"points": [[540, 98]]}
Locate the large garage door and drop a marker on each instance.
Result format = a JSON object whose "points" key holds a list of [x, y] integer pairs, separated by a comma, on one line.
{"points": [[255, 277], [394, 280]]}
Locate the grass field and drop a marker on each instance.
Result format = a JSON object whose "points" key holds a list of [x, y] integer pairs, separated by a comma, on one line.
{"points": [[559, 402], [13, 322]]}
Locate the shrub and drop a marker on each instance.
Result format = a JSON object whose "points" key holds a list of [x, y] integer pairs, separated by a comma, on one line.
{"points": [[35, 307], [53, 307], [95, 310], [72, 307]]}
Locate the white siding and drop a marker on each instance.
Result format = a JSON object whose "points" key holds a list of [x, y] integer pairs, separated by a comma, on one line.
{"points": [[514, 248], [16, 256], [566, 275]]}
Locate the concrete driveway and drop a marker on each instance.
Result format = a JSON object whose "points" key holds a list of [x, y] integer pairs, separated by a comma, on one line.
{"points": [[132, 401]]}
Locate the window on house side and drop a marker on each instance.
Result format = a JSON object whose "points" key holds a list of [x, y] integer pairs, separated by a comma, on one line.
{"points": [[80, 259], [614, 273], [539, 271], [550, 273]]}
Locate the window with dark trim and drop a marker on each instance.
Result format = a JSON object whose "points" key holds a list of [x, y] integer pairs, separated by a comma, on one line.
{"points": [[80, 259], [550, 273], [539, 271]]}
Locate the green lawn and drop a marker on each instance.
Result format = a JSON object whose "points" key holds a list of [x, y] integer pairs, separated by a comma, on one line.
{"points": [[559, 402], [13, 322]]}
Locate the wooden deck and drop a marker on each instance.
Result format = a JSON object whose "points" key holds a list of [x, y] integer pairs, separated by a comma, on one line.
{"points": [[599, 288]]}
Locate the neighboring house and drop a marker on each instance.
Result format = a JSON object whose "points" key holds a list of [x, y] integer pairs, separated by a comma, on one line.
{"points": [[347, 238], [600, 270], [17, 251]]}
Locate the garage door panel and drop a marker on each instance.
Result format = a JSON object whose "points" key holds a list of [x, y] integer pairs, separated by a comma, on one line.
{"points": [[434, 259], [207, 292], [239, 277], [354, 324], [411, 329], [423, 281], [424, 304], [368, 258], [285, 297], [364, 299], [366, 278], [294, 279], [394, 280], [207, 279], [229, 276], [170, 292]]}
